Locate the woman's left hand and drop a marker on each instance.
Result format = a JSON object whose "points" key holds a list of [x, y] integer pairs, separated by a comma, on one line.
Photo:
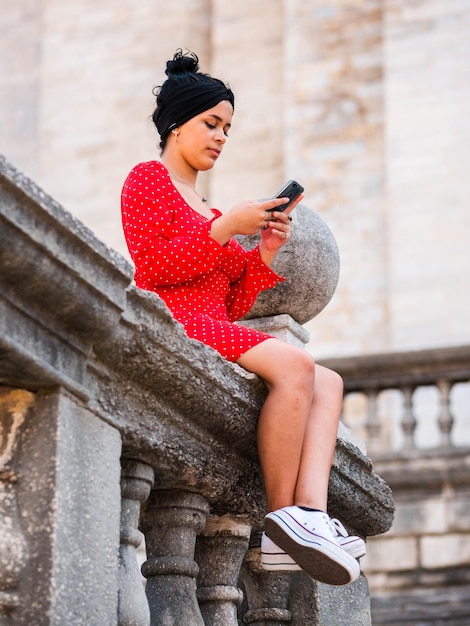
{"points": [[277, 230], [276, 233]]}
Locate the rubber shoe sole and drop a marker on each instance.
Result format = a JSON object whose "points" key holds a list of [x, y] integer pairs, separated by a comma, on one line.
{"points": [[274, 559], [311, 545]]}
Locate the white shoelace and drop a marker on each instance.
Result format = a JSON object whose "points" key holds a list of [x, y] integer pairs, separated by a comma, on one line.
{"points": [[337, 528]]}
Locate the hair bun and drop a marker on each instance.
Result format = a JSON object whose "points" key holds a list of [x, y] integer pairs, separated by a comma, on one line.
{"points": [[182, 63]]}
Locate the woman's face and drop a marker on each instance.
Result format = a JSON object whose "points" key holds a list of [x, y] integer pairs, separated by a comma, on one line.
{"points": [[201, 139]]}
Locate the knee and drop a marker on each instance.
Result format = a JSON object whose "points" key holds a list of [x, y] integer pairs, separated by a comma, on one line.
{"points": [[300, 370], [307, 366], [331, 380]]}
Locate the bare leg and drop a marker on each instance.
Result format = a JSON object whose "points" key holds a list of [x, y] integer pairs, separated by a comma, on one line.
{"points": [[320, 440], [298, 423]]}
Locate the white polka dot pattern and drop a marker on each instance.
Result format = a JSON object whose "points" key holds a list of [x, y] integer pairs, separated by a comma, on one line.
{"points": [[206, 286]]}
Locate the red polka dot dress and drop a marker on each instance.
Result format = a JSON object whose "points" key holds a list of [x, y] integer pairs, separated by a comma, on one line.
{"points": [[206, 286]]}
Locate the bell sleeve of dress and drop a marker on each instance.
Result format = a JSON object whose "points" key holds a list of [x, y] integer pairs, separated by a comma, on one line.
{"points": [[255, 277], [163, 254]]}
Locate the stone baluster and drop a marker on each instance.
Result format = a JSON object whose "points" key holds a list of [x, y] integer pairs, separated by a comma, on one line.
{"points": [[13, 546], [136, 482], [14, 406], [445, 419], [267, 593], [220, 551], [408, 421], [373, 425], [171, 521]]}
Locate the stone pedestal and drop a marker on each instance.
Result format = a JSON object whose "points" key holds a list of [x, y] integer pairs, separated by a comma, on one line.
{"points": [[65, 542], [220, 551], [171, 522], [282, 326]]}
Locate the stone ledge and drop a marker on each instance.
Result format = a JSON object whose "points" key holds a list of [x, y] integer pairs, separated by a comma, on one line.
{"points": [[72, 318]]}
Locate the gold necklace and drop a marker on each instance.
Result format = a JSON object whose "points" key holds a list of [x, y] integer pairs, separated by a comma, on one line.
{"points": [[173, 175]]}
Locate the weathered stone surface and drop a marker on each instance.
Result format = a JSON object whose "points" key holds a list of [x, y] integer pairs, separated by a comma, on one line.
{"points": [[136, 482], [69, 498], [422, 564], [220, 550], [344, 606], [310, 264], [357, 99], [120, 350], [115, 375], [15, 405], [282, 326], [171, 521]]}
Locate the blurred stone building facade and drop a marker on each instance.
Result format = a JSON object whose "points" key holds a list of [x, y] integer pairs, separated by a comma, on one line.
{"points": [[366, 102]]}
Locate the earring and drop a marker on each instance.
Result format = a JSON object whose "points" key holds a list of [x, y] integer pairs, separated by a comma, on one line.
{"points": [[175, 133]]}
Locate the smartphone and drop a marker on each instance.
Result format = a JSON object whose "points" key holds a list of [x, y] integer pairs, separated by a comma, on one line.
{"points": [[291, 190]]}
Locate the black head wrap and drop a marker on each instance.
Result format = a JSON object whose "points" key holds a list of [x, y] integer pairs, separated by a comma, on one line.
{"points": [[186, 93]]}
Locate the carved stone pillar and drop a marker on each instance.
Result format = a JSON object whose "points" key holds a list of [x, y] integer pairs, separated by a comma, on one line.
{"points": [[171, 522], [136, 482], [267, 593], [446, 419], [14, 405], [278, 598], [67, 461], [220, 551]]}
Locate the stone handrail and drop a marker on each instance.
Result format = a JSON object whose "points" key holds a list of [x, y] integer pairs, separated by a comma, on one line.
{"points": [[114, 423], [441, 368]]}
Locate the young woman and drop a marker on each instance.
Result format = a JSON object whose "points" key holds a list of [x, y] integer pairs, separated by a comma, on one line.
{"points": [[185, 252]]}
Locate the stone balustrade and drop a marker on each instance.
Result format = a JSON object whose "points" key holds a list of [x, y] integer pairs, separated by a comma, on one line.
{"points": [[439, 369], [115, 425], [421, 564]]}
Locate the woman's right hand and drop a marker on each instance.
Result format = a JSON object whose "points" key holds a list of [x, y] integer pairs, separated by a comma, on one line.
{"points": [[244, 218]]}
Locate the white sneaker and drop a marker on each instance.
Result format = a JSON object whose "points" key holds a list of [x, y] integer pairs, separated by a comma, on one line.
{"points": [[354, 545], [274, 559], [307, 537]]}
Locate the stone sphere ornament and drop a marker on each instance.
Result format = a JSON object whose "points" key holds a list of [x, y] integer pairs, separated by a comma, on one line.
{"points": [[309, 262]]}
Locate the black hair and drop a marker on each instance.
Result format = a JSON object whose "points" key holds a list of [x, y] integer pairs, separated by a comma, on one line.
{"points": [[185, 93]]}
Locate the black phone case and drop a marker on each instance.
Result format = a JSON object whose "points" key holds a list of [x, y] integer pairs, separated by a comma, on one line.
{"points": [[291, 190]]}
